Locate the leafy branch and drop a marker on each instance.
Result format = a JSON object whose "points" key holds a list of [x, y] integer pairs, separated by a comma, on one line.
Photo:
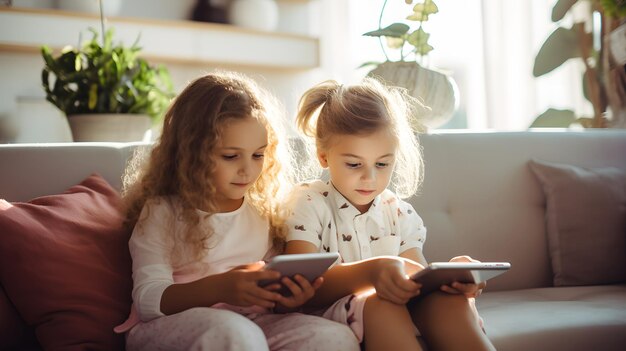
{"points": [[399, 35], [601, 77]]}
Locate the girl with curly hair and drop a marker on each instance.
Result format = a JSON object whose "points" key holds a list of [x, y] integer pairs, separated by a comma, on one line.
{"points": [[204, 208]]}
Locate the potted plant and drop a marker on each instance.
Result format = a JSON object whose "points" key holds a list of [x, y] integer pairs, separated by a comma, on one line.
{"points": [[106, 90], [602, 50], [435, 89]]}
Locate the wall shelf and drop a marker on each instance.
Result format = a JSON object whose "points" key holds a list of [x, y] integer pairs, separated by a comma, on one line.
{"points": [[187, 42]]}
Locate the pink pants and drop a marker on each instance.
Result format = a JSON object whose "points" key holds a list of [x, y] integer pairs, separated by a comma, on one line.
{"points": [[205, 328]]}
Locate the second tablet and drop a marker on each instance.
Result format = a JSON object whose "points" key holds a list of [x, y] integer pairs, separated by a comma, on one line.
{"points": [[310, 266]]}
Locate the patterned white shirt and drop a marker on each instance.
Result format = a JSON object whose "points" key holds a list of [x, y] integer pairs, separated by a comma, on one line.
{"points": [[322, 216]]}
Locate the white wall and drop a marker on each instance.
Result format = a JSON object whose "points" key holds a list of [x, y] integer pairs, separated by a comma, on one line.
{"points": [[22, 98]]}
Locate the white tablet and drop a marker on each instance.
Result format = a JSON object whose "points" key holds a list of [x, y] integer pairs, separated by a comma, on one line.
{"points": [[437, 274], [310, 266]]}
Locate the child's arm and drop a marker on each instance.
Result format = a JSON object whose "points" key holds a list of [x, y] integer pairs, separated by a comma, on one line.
{"points": [[238, 286], [385, 273], [415, 256]]}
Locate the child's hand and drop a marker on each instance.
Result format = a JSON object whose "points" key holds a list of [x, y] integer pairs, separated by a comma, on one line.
{"points": [[240, 286], [391, 282], [301, 292], [469, 290]]}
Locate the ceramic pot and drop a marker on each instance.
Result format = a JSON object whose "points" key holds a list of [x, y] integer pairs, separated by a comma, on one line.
{"points": [[437, 91], [256, 14], [110, 127]]}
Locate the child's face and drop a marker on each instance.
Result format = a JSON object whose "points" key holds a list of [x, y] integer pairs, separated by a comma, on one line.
{"points": [[360, 166], [238, 161]]}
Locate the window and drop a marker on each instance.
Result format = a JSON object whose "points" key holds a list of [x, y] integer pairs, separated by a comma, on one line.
{"points": [[489, 47]]}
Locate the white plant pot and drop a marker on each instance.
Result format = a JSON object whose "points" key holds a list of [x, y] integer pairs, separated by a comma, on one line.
{"points": [[256, 14], [109, 7], [437, 91], [110, 127]]}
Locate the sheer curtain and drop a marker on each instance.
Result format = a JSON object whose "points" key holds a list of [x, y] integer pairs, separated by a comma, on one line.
{"points": [[489, 47], [513, 32]]}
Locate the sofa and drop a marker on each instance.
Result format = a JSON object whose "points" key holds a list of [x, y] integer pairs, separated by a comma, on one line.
{"points": [[553, 204]]}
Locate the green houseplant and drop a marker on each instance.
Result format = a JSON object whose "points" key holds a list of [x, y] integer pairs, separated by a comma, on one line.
{"points": [[604, 75], [435, 89], [106, 79]]}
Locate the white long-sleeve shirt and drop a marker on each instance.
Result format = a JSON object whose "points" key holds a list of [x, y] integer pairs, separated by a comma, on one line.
{"points": [[239, 237]]}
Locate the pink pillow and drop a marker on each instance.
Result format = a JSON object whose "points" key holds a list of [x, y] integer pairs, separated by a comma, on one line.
{"points": [[65, 265], [13, 330], [585, 222]]}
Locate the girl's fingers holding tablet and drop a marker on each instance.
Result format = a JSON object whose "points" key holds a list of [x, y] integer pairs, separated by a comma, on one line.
{"points": [[272, 287], [263, 294], [317, 283], [265, 275], [296, 289]]}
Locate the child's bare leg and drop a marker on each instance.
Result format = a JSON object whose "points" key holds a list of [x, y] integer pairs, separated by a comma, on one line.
{"points": [[447, 322], [388, 326]]}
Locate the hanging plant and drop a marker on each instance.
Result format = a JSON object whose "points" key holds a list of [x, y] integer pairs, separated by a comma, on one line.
{"points": [[435, 90], [398, 36]]}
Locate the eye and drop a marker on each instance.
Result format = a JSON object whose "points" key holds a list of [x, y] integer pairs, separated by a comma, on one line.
{"points": [[353, 165], [258, 156], [229, 157], [382, 164]]}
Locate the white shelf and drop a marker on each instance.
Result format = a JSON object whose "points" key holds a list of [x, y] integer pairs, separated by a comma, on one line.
{"points": [[24, 29]]}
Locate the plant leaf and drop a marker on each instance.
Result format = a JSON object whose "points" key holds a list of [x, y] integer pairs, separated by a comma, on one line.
{"points": [[428, 8], [560, 46], [77, 63], [395, 30], [423, 49], [614, 8], [560, 9], [553, 118], [417, 17], [93, 96], [418, 38]]}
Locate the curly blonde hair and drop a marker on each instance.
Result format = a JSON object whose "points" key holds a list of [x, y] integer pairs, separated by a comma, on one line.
{"points": [[180, 165], [330, 109]]}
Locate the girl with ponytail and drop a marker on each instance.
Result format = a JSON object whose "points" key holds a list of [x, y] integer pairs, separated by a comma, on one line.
{"points": [[363, 138]]}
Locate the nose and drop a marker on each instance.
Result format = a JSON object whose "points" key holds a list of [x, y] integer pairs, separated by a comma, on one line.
{"points": [[244, 167], [369, 174]]}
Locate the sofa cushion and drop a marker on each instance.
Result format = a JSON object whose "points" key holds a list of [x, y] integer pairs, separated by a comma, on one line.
{"points": [[579, 318], [65, 265], [586, 222]]}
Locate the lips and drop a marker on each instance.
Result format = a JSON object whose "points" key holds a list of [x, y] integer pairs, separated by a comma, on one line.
{"points": [[365, 192], [242, 185]]}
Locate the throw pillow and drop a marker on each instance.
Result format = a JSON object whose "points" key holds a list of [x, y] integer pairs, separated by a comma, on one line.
{"points": [[15, 332], [586, 222], [65, 265]]}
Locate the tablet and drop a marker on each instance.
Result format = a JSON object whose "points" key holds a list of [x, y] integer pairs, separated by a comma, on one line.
{"points": [[310, 266], [437, 274]]}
